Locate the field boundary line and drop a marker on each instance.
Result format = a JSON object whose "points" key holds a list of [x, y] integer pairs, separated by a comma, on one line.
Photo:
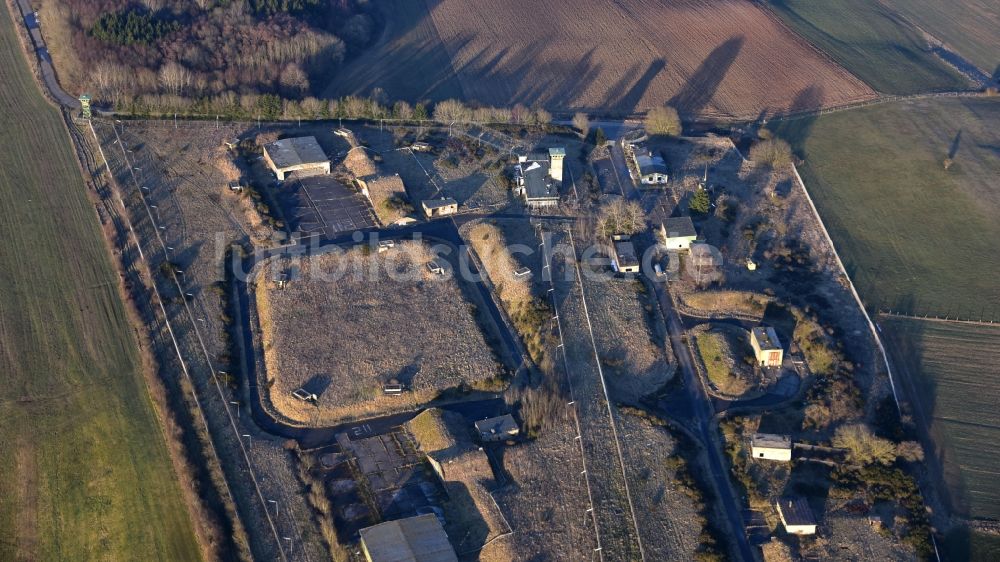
{"points": [[194, 327], [945, 320], [607, 398], [850, 283], [770, 14]]}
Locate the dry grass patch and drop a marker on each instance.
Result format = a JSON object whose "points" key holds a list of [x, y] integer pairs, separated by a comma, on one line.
{"points": [[726, 302], [343, 336], [628, 333], [472, 517], [671, 524], [528, 312], [544, 496], [358, 163], [849, 536], [723, 350], [388, 197]]}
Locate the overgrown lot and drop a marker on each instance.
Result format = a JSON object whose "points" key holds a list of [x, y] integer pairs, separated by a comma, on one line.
{"points": [[675, 511], [383, 318], [915, 237], [85, 470], [725, 352], [630, 337]]}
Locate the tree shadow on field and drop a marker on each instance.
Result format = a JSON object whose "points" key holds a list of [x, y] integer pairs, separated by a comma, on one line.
{"points": [[955, 144], [904, 340], [528, 81], [796, 131], [701, 87], [630, 99]]}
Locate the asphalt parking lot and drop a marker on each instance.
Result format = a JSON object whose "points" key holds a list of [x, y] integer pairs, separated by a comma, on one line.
{"points": [[324, 205]]}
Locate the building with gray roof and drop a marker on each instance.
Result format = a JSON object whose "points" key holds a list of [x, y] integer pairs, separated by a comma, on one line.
{"points": [[678, 233], [300, 154], [414, 539], [652, 167], [538, 177]]}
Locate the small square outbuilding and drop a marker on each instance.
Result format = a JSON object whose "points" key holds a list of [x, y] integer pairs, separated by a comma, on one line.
{"points": [[497, 429], [678, 233], [625, 258], [796, 516], [439, 207], [772, 447], [766, 346]]}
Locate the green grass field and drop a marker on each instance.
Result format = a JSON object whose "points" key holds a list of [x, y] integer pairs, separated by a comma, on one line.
{"points": [[872, 42], [955, 372], [915, 237], [968, 26], [84, 472]]}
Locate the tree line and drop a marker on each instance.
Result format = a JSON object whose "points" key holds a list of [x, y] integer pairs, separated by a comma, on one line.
{"points": [[271, 107]]}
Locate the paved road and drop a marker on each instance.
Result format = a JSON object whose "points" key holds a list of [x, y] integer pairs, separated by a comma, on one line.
{"points": [[704, 418], [699, 404], [44, 60]]}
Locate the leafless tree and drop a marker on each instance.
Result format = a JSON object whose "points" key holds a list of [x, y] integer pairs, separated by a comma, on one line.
{"points": [[293, 79], [312, 107], [402, 110], [620, 216], [863, 446], [773, 152], [582, 123], [110, 81], [451, 110], [175, 78]]}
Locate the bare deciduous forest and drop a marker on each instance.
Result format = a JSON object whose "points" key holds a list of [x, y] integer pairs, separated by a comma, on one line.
{"points": [[118, 49]]}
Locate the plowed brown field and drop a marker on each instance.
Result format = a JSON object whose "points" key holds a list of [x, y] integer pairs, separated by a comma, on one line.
{"points": [[726, 58]]}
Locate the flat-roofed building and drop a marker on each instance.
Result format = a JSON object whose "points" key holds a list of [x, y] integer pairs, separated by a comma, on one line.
{"points": [[625, 258], [678, 233], [766, 346], [414, 539], [300, 154], [439, 207], [497, 429], [770, 446], [796, 516]]}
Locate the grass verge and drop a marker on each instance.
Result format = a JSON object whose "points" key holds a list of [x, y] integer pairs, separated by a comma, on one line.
{"points": [[88, 465]]}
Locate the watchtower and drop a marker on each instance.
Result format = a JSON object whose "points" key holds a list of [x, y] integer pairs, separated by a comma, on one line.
{"points": [[85, 105]]}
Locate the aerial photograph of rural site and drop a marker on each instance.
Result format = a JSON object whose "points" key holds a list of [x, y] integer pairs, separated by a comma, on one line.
{"points": [[500, 280]]}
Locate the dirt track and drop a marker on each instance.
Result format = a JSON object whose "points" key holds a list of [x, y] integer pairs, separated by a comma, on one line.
{"points": [[707, 58]]}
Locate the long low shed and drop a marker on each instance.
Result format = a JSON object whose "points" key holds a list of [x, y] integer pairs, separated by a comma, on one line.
{"points": [[300, 154]]}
